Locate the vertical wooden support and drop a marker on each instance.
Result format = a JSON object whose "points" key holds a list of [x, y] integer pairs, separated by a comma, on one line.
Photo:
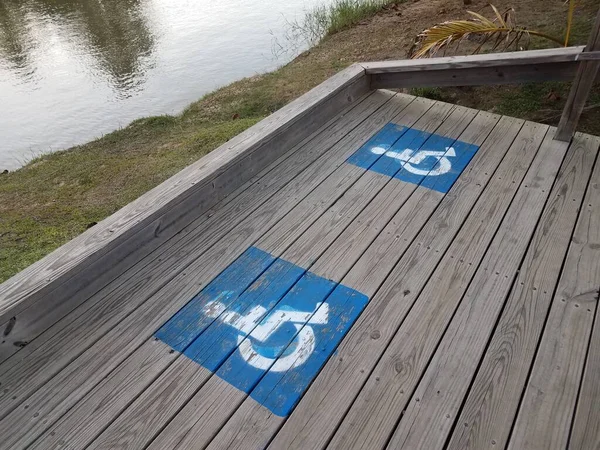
{"points": [[582, 85]]}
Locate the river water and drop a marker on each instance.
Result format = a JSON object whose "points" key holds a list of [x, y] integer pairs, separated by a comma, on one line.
{"points": [[73, 70]]}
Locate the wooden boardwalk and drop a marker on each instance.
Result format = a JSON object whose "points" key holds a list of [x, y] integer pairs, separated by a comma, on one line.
{"points": [[413, 275]]}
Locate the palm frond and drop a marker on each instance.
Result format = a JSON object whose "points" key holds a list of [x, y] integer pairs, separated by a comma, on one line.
{"points": [[503, 28]]}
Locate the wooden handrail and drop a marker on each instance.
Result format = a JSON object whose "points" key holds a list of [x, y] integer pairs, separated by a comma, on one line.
{"points": [[530, 57]]}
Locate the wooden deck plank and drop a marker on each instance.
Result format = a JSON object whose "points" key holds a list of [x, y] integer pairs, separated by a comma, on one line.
{"points": [[216, 223], [326, 402], [137, 328], [184, 377], [488, 414], [83, 373], [253, 426], [497, 350], [586, 427], [548, 405], [215, 402], [31, 322], [313, 174], [440, 392], [404, 361]]}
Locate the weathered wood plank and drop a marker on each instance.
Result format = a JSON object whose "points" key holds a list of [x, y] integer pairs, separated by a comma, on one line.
{"points": [[562, 71], [216, 400], [78, 378], [408, 354], [390, 247], [317, 416], [546, 411], [178, 201], [489, 411], [184, 377], [586, 426], [101, 315], [544, 56], [441, 390], [29, 323], [587, 73]]}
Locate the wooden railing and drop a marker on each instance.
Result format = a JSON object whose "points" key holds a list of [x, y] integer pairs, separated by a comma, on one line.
{"points": [[62, 280], [577, 64]]}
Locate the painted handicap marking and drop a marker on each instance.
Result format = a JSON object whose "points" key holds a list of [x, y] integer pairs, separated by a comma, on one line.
{"points": [[181, 330], [286, 321], [390, 166], [263, 355], [280, 391], [213, 344], [384, 138], [416, 157], [419, 157]]}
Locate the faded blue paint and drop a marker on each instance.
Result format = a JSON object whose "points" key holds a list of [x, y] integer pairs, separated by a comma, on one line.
{"points": [[389, 166], [281, 391], [464, 154], [265, 325], [385, 138], [190, 321], [215, 344], [398, 157], [304, 296]]}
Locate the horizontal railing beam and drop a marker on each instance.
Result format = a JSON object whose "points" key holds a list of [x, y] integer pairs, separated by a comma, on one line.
{"points": [[100, 254], [529, 57]]}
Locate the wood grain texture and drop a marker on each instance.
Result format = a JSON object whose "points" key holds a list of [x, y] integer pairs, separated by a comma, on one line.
{"points": [[488, 413], [112, 348], [587, 73], [28, 324], [297, 223], [441, 390], [202, 233], [392, 381], [175, 203], [186, 429], [176, 293], [529, 57], [317, 415], [548, 405], [104, 314], [391, 241], [562, 71]]}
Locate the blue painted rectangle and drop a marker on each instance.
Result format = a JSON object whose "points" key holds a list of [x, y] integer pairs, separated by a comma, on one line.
{"points": [[271, 328], [416, 157], [280, 391], [190, 321], [384, 138]]}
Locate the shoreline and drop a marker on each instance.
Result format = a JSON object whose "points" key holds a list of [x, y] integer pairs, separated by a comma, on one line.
{"points": [[57, 196]]}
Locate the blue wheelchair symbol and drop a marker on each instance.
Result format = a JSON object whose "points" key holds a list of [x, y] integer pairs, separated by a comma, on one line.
{"points": [[266, 326], [415, 156]]}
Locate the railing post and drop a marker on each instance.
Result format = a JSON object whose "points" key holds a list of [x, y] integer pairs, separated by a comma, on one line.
{"points": [[580, 90]]}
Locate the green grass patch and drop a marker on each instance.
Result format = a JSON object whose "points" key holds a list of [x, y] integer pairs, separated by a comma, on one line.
{"points": [[340, 15], [56, 197]]}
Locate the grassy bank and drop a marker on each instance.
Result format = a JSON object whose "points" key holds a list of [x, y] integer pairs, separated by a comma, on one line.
{"points": [[58, 196]]}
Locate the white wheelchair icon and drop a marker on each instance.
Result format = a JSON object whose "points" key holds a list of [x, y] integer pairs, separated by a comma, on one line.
{"points": [[259, 326], [410, 157]]}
